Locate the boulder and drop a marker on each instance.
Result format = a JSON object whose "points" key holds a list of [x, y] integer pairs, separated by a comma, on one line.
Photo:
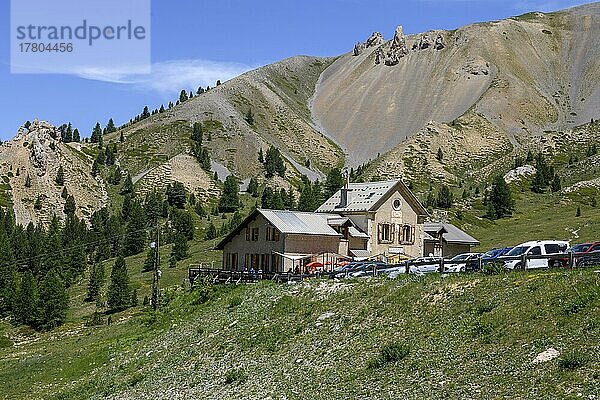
{"points": [[358, 48]]}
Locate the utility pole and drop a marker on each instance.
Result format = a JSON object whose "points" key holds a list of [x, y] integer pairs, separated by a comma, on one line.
{"points": [[156, 246]]}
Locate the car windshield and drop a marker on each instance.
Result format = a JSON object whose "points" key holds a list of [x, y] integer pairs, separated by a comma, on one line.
{"points": [[517, 251], [580, 248], [460, 257], [492, 253]]}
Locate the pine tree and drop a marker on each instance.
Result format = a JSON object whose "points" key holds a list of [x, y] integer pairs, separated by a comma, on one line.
{"points": [[110, 126], [578, 212], [60, 176], [499, 202], [53, 301], [145, 113], [180, 247], [230, 200], [249, 117], [253, 187], [96, 134], [26, 302], [211, 231], [176, 195], [183, 96], [334, 182], [76, 135], [70, 206], [119, 294], [149, 261], [28, 181], [183, 223], [135, 239], [445, 197], [197, 132], [261, 157], [96, 281], [127, 185], [38, 203], [555, 186], [274, 163], [65, 193], [440, 155], [121, 138]]}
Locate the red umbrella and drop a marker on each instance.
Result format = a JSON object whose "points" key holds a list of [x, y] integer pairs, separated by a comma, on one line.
{"points": [[314, 265]]}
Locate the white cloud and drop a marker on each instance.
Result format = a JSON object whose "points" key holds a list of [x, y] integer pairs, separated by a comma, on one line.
{"points": [[170, 77]]}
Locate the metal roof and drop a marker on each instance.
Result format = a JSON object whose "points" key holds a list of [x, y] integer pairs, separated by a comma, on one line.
{"points": [[367, 196], [295, 222], [356, 233], [452, 234]]}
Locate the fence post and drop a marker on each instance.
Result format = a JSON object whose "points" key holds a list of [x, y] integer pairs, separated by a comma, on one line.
{"points": [[442, 268], [571, 260]]}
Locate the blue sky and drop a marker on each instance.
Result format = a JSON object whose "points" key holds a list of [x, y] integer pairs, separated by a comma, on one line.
{"points": [[195, 42]]}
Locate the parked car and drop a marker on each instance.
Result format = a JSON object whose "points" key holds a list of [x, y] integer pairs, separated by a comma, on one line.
{"points": [[368, 268], [540, 248], [585, 254], [495, 253], [459, 262], [423, 265], [588, 259]]}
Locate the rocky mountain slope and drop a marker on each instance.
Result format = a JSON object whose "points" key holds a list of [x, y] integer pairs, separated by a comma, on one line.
{"points": [[29, 164], [521, 76]]}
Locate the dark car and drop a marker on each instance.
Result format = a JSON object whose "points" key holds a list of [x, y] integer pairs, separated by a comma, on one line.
{"points": [[585, 254], [489, 257]]}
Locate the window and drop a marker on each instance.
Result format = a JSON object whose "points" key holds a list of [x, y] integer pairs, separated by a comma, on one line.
{"points": [[247, 234], [535, 251], [386, 233], [407, 235], [397, 204], [272, 234], [552, 248], [254, 234]]}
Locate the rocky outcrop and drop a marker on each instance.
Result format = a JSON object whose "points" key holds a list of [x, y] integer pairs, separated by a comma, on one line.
{"points": [[476, 66], [439, 43], [397, 49], [358, 48], [375, 39]]}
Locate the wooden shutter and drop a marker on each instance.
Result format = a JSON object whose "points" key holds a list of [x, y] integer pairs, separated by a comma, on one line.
{"points": [[247, 234], [379, 233], [412, 234], [392, 232]]}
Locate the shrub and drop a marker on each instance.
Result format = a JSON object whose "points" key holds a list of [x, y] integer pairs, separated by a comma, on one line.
{"points": [[572, 360], [236, 375], [389, 354], [234, 302]]}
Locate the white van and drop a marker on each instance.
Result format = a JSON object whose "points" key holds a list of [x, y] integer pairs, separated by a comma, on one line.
{"points": [[535, 248]]}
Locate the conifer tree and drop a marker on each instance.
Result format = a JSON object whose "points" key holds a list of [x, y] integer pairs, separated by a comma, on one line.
{"points": [[135, 239], [440, 155], [183, 96], [60, 176], [38, 203], [28, 181], [499, 202], [26, 302], [119, 294], [334, 182], [211, 231], [96, 281], [445, 197], [180, 247], [121, 138], [253, 187], [249, 117], [230, 200], [70, 206], [274, 163], [53, 301], [110, 126], [76, 135], [127, 185], [149, 261], [96, 134]]}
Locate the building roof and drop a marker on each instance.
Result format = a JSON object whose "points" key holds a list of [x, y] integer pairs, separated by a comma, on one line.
{"points": [[369, 196], [452, 234], [354, 232], [291, 222], [296, 222]]}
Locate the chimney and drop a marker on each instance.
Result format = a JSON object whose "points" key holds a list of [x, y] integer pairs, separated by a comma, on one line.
{"points": [[345, 192]]}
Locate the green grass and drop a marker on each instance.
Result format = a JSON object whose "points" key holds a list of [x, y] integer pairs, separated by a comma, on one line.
{"points": [[431, 337]]}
